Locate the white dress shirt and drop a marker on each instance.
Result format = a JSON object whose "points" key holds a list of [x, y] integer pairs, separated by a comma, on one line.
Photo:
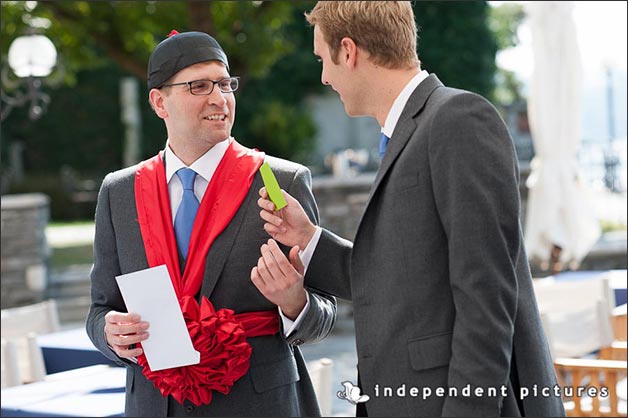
{"points": [[400, 103], [205, 167]]}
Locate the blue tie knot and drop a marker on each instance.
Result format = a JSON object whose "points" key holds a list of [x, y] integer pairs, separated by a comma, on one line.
{"points": [[383, 143], [186, 176]]}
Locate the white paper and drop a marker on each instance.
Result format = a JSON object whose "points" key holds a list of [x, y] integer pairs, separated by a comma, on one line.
{"points": [[150, 294]]}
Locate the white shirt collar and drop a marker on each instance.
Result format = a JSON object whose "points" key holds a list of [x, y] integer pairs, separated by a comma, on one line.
{"points": [[400, 103], [205, 166]]}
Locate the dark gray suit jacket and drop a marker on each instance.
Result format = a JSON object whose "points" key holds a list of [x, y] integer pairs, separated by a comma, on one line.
{"points": [[438, 276], [277, 383]]}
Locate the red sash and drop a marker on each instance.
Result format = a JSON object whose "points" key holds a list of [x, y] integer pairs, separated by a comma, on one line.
{"points": [[220, 336]]}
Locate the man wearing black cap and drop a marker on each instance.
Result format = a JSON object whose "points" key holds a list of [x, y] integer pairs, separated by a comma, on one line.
{"points": [[193, 208]]}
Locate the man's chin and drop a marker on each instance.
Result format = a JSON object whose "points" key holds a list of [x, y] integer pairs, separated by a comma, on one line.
{"points": [[351, 112], [218, 136], [349, 109]]}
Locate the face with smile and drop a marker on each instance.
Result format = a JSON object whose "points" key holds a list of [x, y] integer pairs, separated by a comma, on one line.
{"points": [[195, 122]]}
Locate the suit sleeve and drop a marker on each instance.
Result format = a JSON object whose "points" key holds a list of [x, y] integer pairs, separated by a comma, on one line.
{"points": [[321, 315], [105, 295], [475, 182], [330, 267]]}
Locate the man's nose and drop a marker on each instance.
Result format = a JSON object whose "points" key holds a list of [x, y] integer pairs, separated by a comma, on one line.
{"points": [[217, 97]]}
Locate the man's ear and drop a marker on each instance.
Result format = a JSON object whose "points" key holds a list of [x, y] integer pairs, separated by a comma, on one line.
{"points": [[156, 99], [348, 52]]}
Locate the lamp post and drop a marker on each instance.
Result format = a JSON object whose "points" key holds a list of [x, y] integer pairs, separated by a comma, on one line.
{"points": [[32, 58]]}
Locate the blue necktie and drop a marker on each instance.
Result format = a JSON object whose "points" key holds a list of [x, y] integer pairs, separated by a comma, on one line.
{"points": [[184, 221], [383, 143]]}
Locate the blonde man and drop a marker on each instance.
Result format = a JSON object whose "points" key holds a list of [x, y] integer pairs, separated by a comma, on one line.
{"points": [[445, 315]]}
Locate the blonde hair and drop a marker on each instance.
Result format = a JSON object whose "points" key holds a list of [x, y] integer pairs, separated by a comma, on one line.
{"points": [[385, 29]]}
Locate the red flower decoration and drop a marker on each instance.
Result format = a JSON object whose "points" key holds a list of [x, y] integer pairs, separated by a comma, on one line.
{"points": [[225, 354], [173, 32]]}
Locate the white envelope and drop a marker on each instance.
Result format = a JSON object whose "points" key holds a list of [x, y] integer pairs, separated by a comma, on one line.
{"points": [[150, 294]]}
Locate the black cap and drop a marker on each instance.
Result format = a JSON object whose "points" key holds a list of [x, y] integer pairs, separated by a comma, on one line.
{"points": [[180, 50]]}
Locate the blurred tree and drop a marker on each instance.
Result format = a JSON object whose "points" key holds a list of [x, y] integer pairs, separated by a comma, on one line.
{"points": [[81, 130], [459, 40], [88, 32], [273, 106], [91, 35], [269, 45], [456, 43], [504, 21]]}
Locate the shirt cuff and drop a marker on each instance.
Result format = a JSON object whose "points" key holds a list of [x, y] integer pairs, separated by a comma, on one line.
{"points": [[307, 253], [288, 324]]}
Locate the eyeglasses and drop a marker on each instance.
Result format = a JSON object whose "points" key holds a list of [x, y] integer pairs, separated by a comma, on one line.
{"points": [[204, 87]]}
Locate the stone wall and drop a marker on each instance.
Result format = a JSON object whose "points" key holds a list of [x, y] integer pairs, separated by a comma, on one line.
{"points": [[25, 252], [341, 202]]}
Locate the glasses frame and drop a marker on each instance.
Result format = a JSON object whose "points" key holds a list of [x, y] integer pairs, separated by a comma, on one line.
{"points": [[189, 84]]}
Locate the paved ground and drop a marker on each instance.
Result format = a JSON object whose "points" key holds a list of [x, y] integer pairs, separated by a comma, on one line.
{"points": [[340, 348]]}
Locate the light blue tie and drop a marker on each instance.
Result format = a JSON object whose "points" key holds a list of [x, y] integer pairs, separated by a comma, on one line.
{"points": [[383, 143], [184, 221]]}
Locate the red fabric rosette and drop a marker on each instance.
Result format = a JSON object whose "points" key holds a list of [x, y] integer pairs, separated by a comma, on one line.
{"points": [[225, 353]]}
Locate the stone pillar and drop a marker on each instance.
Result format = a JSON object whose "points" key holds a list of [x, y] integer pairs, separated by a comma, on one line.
{"points": [[25, 252]]}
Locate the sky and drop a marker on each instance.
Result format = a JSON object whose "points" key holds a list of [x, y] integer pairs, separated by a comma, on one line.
{"points": [[602, 37], [601, 28]]}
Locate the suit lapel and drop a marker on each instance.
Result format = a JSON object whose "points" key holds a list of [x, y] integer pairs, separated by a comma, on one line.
{"points": [[404, 129], [221, 248]]}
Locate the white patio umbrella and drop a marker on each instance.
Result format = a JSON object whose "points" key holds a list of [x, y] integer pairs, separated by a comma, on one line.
{"points": [[558, 214]]}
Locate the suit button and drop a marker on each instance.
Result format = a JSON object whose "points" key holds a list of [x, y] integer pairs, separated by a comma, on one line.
{"points": [[297, 342], [189, 408]]}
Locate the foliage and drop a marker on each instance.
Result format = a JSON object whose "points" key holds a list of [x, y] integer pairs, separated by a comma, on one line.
{"points": [[61, 204], [68, 256], [273, 105], [90, 35], [612, 226], [507, 88], [456, 43], [504, 21], [81, 129], [269, 45]]}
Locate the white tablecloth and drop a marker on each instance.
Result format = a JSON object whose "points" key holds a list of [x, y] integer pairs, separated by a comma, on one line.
{"points": [[95, 391]]}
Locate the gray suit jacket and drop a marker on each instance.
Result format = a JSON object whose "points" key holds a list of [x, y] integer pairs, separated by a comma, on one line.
{"points": [[277, 383], [438, 276]]}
